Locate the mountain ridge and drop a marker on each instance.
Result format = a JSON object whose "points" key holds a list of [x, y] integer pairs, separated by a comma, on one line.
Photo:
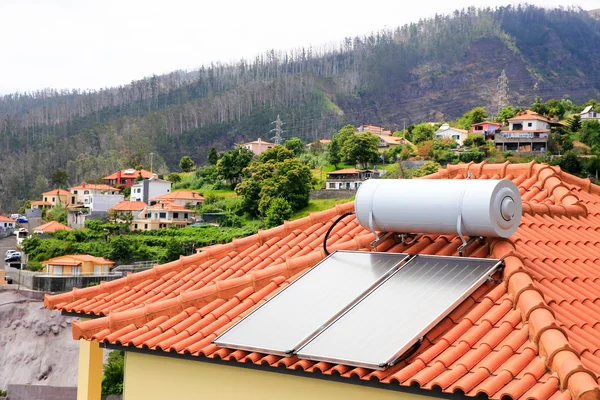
{"points": [[431, 70]]}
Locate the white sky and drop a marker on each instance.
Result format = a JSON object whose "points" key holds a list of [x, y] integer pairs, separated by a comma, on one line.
{"points": [[100, 43]]}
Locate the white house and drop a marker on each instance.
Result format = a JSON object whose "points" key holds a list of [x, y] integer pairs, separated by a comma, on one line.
{"points": [[85, 192], [447, 132], [589, 114], [526, 133], [149, 189], [349, 178], [7, 223], [185, 198]]}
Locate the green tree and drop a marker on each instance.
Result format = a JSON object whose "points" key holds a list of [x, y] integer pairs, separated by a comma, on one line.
{"points": [[213, 157], [232, 163], [539, 107], [574, 123], [279, 210], [277, 153], [476, 115], [421, 133], [505, 114], [174, 177], [60, 178], [112, 379], [590, 132], [333, 155], [295, 144], [361, 149], [430, 167], [570, 163], [186, 164], [120, 248], [555, 108]]}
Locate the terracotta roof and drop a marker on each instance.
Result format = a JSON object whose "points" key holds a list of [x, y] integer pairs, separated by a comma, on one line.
{"points": [[180, 195], [527, 131], [129, 206], [92, 186], [6, 219], [52, 226], [528, 114], [532, 336], [125, 173], [260, 141], [41, 203], [487, 123], [57, 192], [168, 206], [345, 171], [76, 259]]}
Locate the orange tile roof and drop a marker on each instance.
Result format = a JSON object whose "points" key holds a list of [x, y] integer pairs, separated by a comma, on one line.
{"points": [[52, 226], [92, 186], [345, 171], [144, 173], [129, 206], [528, 114], [57, 192], [41, 203], [76, 259], [180, 195], [6, 219], [169, 206], [534, 335]]}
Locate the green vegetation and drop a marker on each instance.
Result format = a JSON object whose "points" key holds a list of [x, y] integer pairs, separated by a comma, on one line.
{"points": [[318, 205], [186, 164], [112, 378]]}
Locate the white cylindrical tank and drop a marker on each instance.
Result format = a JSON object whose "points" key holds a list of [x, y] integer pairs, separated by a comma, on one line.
{"points": [[490, 208]]}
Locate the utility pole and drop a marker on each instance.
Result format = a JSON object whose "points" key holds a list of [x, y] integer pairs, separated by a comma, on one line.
{"points": [[278, 138], [151, 159], [502, 92]]}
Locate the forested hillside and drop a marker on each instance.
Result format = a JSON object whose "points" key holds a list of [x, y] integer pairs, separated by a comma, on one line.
{"points": [[431, 70]]}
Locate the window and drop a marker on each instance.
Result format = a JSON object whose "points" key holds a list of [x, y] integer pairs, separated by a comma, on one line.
{"points": [[74, 191], [185, 215], [53, 199], [139, 191], [97, 269], [163, 215], [145, 226], [530, 124], [135, 226], [45, 199], [76, 271], [57, 269], [331, 185], [479, 128], [72, 199], [175, 215], [86, 192]]}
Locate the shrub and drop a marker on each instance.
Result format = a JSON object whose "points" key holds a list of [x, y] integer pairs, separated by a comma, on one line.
{"points": [[112, 381]]}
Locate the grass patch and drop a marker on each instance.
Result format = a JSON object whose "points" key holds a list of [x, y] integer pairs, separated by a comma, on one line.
{"points": [[318, 205]]}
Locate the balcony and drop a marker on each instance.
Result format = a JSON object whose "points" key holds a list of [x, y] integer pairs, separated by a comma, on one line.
{"points": [[521, 137]]}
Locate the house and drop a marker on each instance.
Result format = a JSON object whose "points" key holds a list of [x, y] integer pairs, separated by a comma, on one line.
{"points": [[258, 146], [77, 264], [447, 132], [187, 198], [527, 132], [590, 113], [149, 189], [376, 130], [162, 215], [41, 205], [7, 223], [349, 178], [528, 334], [128, 207], [320, 142], [487, 128], [51, 227], [56, 197], [86, 192], [127, 177]]}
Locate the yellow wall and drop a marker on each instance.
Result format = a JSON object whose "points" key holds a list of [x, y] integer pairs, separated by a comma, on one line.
{"points": [[155, 377]]}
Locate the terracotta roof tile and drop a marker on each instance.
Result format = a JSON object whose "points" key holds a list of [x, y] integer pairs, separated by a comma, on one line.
{"points": [[534, 335], [52, 226]]}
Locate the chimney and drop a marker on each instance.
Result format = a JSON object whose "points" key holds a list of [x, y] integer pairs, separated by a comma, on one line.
{"points": [[83, 185], [259, 141]]}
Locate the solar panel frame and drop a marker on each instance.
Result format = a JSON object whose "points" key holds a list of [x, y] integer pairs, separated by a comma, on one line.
{"points": [[494, 265], [399, 259]]}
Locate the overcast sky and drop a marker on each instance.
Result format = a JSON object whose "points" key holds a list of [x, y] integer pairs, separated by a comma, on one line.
{"points": [[95, 44]]}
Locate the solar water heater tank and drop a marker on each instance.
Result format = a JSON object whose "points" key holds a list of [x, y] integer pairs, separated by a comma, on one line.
{"points": [[471, 207]]}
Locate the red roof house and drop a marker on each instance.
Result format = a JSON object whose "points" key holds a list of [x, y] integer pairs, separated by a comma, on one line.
{"points": [[531, 334], [127, 177]]}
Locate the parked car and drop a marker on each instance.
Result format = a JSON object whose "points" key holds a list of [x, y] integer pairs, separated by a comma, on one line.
{"points": [[15, 216], [9, 252], [16, 256], [22, 219]]}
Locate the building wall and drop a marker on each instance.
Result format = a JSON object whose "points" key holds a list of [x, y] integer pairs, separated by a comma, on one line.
{"points": [[592, 115], [535, 125], [102, 202], [154, 377]]}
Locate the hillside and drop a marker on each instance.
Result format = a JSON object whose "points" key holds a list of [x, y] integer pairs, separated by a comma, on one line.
{"points": [[431, 70]]}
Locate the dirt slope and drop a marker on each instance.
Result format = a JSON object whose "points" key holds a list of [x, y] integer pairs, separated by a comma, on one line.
{"points": [[36, 346]]}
